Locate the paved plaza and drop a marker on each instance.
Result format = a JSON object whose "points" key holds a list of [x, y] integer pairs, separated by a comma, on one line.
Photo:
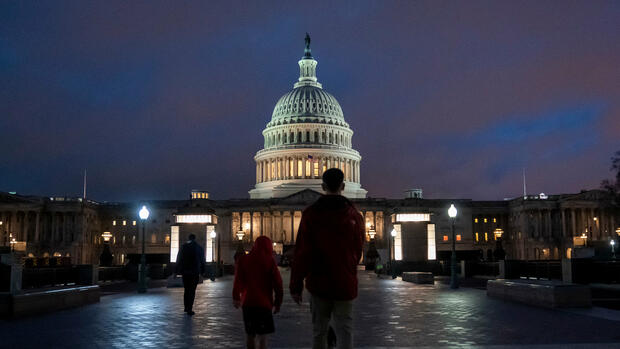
{"points": [[388, 313]]}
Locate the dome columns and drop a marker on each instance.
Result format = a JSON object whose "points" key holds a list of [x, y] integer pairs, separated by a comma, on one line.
{"points": [[290, 167]]}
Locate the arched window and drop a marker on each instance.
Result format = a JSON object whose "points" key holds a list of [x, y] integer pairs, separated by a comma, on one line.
{"points": [[316, 137], [279, 140], [307, 136], [336, 138], [342, 139], [284, 140], [299, 137], [292, 137], [323, 137], [331, 138]]}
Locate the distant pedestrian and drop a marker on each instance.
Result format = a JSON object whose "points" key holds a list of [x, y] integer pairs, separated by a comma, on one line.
{"points": [[257, 281], [327, 252], [190, 264]]}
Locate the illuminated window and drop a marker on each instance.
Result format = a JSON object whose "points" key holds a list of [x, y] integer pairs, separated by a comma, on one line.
{"points": [[174, 243], [458, 237], [279, 169], [413, 217], [193, 218], [113, 222], [494, 220], [477, 237], [475, 220], [486, 236], [485, 220], [210, 251], [430, 234], [445, 238], [153, 238], [300, 168], [291, 169], [316, 169], [308, 168], [167, 239], [124, 222], [398, 247], [133, 223]]}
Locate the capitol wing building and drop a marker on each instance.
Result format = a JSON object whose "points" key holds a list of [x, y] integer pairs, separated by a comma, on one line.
{"points": [[307, 134]]}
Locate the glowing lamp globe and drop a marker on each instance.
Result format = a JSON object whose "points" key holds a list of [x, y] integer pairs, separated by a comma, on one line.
{"points": [[213, 234], [144, 213], [452, 211]]}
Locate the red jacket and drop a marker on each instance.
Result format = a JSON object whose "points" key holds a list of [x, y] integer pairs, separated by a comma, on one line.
{"points": [[257, 277], [328, 249]]}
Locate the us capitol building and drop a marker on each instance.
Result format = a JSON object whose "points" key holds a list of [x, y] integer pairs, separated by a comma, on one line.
{"points": [[306, 135]]}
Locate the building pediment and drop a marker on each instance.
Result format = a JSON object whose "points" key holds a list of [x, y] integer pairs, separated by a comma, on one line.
{"points": [[305, 196]]}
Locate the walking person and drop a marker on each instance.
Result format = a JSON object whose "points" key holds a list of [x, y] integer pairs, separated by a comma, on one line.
{"points": [[327, 252], [190, 264], [257, 289]]}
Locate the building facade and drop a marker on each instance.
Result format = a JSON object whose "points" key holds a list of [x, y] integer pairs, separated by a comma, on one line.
{"points": [[306, 135], [530, 228]]}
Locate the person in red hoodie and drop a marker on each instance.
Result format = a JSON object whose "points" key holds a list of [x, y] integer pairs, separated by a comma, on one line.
{"points": [[327, 252], [257, 279]]}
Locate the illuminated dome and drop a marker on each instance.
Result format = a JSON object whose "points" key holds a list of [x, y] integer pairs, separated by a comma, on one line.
{"points": [[307, 104], [307, 134]]}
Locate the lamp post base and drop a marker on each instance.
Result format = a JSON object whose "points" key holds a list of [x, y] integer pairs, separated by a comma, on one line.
{"points": [[142, 285]]}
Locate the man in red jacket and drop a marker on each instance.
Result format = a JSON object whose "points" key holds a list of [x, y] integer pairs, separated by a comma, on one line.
{"points": [[327, 252]]}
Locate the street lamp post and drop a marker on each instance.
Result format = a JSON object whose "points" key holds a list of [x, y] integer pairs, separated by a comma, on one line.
{"points": [[454, 281], [213, 259], [144, 215]]}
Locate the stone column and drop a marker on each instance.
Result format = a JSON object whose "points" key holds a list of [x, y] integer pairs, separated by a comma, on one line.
{"points": [[292, 226], [304, 166], [37, 226], [262, 223], [573, 217], [563, 215], [282, 231], [549, 224], [251, 226], [584, 222]]}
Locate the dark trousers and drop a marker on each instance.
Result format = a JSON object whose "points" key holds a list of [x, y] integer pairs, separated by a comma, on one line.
{"points": [[190, 282]]}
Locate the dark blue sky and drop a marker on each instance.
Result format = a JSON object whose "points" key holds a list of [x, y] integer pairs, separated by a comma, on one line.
{"points": [[157, 98]]}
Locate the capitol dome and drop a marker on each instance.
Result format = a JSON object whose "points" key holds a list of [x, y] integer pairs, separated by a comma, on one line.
{"points": [[307, 134]]}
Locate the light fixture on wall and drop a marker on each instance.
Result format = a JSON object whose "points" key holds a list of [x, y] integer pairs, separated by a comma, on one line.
{"points": [[106, 236], [240, 234], [372, 232]]}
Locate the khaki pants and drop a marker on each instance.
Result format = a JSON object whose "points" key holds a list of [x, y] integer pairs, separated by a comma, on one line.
{"points": [[341, 315]]}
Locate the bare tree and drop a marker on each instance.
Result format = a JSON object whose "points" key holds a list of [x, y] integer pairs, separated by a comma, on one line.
{"points": [[613, 185]]}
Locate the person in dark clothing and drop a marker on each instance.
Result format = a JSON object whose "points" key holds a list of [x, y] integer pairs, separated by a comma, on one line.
{"points": [[257, 281], [190, 264], [327, 252]]}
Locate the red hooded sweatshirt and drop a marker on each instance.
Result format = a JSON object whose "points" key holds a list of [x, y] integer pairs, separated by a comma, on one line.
{"points": [[328, 249], [257, 277]]}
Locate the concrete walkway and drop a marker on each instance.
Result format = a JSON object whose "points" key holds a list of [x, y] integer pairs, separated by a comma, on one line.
{"points": [[388, 313]]}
